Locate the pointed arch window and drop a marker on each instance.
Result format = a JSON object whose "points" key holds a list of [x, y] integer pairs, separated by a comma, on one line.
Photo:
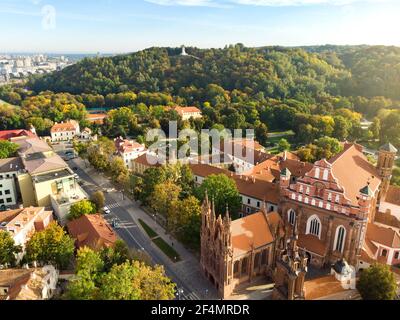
{"points": [[340, 238], [291, 216], [314, 226]]}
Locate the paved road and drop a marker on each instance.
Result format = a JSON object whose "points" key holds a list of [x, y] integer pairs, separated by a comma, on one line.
{"points": [[132, 234]]}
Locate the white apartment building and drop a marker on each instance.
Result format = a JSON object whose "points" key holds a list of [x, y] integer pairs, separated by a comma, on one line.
{"points": [[9, 170], [65, 131], [129, 150]]}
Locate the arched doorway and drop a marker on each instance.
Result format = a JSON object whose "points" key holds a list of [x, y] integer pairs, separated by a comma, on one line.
{"points": [[308, 255]]}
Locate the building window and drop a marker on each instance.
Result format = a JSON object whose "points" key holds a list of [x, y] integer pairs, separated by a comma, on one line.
{"points": [[396, 255], [9, 200], [1, 193], [301, 188], [384, 253], [314, 226], [248, 201], [313, 202], [337, 199], [7, 192], [248, 210], [264, 257], [317, 172], [292, 216], [308, 190], [329, 196], [1, 201], [325, 177], [258, 204], [339, 238]]}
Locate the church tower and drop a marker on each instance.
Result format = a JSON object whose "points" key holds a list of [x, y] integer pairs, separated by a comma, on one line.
{"points": [[386, 157], [216, 248], [291, 269]]}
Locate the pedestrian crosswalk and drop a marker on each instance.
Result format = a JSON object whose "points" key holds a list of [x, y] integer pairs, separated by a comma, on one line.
{"points": [[191, 296], [112, 205]]}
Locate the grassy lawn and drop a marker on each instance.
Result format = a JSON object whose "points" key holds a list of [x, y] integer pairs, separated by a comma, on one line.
{"points": [[167, 249], [150, 232]]}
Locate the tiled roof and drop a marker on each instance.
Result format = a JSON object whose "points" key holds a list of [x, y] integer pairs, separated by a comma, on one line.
{"points": [[271, 169], [393, 195], [352, 163], [71, 125], [124, 145], [13, 279], [183, 110], [8, 134], [45, 164], [97, 118], [312, 243], [31, 145], [10, 164], [250, 232], [382, 235], [144, 160], [92, 231]]}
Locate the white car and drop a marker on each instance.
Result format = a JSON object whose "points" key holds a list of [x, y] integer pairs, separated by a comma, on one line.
{"points": [[106, 210]]}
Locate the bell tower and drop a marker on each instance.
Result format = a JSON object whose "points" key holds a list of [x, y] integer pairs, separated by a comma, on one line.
{"points": [[386, 156]]}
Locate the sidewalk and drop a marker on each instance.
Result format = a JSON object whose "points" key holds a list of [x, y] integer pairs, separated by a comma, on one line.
{"points": [[188, 268]]}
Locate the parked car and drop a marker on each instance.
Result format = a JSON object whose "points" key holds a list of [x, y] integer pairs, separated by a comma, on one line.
{"points": [[109, 190], [106, 210]]}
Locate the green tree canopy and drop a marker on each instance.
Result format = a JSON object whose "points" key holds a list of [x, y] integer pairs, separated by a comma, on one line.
{"points": [[7, 149], [81, 208], [8, 249], [223, 191], [50, 246], [377, 283]]}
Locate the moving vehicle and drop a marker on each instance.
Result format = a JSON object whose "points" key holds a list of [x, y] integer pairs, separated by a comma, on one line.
{"points": [[106, 210]]}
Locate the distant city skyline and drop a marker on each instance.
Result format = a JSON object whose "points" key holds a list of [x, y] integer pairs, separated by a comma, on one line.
{"points": [[120, 26]]}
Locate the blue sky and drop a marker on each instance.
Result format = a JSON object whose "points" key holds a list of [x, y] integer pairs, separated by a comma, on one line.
{"points": [[115, 26]]}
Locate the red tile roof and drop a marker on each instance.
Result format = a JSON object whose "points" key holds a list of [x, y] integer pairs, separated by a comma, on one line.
{"points": [[383, 235], [252, 231], [71, 125], [92, 231], [350, 163], [312, 243], [8, 134]]}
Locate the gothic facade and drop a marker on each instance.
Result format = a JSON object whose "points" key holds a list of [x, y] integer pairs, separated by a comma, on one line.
{"points": [[236, 252]]}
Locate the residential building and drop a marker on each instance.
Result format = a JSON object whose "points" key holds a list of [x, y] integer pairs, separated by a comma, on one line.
{"points": [[23, 223], [28, 284], [382, 244], [9, 170], [129, 150], [87, 134], [46, 176], [188, 112], [64, 131], [92, 231], [144, 162], [242, 154]]}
